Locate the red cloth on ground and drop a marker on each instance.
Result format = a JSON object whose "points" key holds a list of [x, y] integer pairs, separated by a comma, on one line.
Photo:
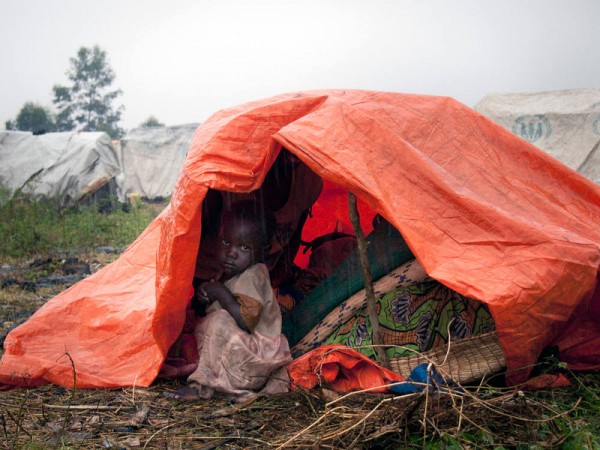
{"points": [[343, 368], [545, 381]]}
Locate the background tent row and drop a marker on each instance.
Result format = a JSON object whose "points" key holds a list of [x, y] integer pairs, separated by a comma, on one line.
{"points": [[147, 161], [71, 166]]}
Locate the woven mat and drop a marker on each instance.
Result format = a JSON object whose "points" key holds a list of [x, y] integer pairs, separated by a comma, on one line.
{"points": [[465, 360]]}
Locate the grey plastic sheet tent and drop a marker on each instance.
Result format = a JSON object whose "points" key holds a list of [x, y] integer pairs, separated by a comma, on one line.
{"points": [[67, 166], [151, 158], [565, 124]]}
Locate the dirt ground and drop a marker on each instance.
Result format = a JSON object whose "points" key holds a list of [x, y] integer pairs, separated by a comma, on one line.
{"points": [[143, 418], [54, 417]]}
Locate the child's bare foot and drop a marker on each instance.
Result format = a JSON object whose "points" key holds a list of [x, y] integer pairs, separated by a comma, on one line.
{"points": [[172, 371], [185, 394]]}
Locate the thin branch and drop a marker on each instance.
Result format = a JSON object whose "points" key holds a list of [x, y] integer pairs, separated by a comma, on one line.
{"points": [[364, 262]]}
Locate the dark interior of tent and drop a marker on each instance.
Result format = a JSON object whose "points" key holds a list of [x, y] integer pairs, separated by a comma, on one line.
{"points": [[318, 276]]}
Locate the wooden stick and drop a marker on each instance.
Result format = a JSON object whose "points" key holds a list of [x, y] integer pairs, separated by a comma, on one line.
{"points": [[83, 407], [364, 262]]}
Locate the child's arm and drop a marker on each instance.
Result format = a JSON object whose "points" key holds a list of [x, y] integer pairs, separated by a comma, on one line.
{"points": [[216, 291]]}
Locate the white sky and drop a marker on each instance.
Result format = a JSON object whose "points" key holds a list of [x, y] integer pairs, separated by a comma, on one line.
{"points": [[182, 60]]}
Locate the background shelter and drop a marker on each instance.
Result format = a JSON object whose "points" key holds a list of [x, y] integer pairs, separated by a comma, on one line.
{"points": [[485, 213], [151, 159], [565, 124], [67, 166]]}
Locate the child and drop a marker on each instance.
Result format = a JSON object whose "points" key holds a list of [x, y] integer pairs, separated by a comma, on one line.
{"points": [[240, 344]]}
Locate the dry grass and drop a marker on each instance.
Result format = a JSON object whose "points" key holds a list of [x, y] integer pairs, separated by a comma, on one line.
{"points": [[142, 418], [476, 417]]}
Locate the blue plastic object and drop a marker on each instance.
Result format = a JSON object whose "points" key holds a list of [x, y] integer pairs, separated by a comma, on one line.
{"points": [[419, 379]]}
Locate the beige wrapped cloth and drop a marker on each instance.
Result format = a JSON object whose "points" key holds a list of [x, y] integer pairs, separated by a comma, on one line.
{"points": [[233, 361]]}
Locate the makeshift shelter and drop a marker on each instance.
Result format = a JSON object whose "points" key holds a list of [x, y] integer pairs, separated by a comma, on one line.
{"points": [[565, 124], [484, 212], [67, 166], [151, 159]]}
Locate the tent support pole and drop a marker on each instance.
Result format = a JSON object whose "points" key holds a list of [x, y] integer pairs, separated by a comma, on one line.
{"points": [[366, 270]]}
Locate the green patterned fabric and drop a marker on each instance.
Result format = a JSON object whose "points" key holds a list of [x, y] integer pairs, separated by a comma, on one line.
{"points": [[386, 251], [415, 319]]}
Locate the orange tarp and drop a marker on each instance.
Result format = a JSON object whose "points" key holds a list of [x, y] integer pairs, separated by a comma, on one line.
{"points": [[341, 368], [485, 213]]}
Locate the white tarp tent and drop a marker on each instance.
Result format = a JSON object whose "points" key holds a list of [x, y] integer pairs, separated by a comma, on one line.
{"points": [[565, 124], [67, 166], [151, 159]]}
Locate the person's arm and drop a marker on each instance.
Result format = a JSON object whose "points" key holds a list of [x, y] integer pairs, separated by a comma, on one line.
{"points": [[216, 291]]}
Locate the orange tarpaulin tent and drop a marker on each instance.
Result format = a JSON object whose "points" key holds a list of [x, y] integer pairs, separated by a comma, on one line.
{"points": [[484, 212]]}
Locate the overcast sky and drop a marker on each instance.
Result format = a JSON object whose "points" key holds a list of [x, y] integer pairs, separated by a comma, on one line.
{"points": [[182, 60]]}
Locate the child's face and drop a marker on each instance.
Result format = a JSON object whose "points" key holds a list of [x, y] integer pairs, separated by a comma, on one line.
{"points": [[240, 246]]}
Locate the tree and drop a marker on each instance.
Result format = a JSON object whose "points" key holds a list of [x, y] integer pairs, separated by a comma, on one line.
{"points": [[32, 117], [151, 121], [87, 105]]}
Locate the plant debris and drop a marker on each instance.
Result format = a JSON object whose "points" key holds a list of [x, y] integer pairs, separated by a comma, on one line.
{"points": [[143, 418], [483, 416]]}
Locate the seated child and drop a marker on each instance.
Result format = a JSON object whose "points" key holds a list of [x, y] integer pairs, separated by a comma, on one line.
{"points": [[240, 344]]}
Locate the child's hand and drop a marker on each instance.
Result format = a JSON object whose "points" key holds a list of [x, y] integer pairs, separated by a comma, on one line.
{"points": [[201, 294], [209, 290]]}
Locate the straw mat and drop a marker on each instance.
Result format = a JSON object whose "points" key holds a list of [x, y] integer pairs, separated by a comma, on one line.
{"points": [[463, 361]]}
